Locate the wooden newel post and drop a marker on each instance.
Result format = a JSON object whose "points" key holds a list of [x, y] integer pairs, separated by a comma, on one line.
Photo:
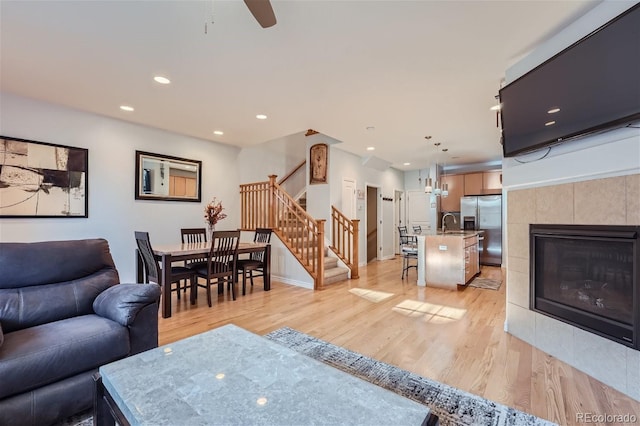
{"points": [[320, 260], [272, 202], [356, 243]]}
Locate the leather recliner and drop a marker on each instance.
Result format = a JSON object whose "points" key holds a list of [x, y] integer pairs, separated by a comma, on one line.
{"points": [[63, 314]]}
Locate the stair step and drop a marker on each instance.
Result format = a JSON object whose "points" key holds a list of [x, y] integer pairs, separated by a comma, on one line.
{"points": [[330, 262], [336, 274]]}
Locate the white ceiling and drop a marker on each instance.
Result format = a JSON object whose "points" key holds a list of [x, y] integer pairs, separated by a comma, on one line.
{"points": [[406, 68]]}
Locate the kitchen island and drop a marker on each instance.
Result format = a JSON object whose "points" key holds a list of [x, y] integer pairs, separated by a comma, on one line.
{"points": [[448, 259]]}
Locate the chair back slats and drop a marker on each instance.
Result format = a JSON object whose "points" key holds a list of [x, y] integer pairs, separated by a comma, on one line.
{"points": [[262, 235], [193, 235], [223, 253], [417, 229], [151, 266], [406, 240]]}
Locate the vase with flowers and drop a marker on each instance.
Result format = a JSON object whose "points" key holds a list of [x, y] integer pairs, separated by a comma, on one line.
{"points": [[213, 214]]}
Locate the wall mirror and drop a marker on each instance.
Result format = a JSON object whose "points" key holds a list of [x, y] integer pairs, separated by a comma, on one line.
{"points": [[162, 177]]}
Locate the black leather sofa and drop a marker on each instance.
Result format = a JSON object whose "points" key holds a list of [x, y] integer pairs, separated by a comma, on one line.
{"points": [[63, 313]]}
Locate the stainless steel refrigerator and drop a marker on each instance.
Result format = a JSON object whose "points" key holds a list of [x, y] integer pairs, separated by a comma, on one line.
{"points": [[484, 213]]}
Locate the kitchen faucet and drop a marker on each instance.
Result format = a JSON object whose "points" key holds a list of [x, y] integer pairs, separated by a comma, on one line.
{"points": [[444, 219]]}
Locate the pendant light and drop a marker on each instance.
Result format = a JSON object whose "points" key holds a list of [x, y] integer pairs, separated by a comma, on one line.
{"points": [[428, 188], [445, 186], [437, 191]]}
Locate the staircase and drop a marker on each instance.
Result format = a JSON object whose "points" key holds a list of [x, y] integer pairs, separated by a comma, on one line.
{"points": [[332, 271], [267, 205]]}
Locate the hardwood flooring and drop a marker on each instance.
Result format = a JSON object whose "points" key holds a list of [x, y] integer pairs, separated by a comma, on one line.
{"points": [[455, 337]]}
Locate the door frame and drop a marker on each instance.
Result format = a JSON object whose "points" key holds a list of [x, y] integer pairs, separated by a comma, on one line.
{"points": [[378, 196]]}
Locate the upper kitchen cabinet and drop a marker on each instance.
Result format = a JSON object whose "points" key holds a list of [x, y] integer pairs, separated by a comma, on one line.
{"points": [[473, 183], [455, 183], [483, 183], [492, 182]]}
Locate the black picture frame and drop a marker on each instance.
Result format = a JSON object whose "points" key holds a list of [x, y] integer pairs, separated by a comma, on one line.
{"points": [[160, 177], [43, 180]]}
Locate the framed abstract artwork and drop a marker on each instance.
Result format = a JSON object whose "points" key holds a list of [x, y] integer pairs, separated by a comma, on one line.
{"points": [[39, 179]]}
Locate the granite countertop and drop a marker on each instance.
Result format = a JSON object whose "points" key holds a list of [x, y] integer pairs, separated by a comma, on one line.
{"points": [[452, 233]]}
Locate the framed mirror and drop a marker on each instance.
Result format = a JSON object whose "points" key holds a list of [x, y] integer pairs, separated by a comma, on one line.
{"points": [[162, 177]]}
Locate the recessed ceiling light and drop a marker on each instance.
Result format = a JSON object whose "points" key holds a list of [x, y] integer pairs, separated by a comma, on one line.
{"points": [[371, 148], [218, 132], [162, 80], [553, 110], [126, 108], [261, 117], [370, 128], [496, 107], [549, 123], [407, 164], [427, 137]]}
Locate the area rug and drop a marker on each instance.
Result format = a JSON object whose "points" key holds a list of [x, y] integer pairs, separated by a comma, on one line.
{"points": [[489, 283], [452, 406]]}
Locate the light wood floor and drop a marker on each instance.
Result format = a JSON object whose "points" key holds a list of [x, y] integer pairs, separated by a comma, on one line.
{"points": [[455, 337]]}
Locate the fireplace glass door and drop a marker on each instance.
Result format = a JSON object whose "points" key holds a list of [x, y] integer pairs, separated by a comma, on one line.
{"points": [[588, 277]]}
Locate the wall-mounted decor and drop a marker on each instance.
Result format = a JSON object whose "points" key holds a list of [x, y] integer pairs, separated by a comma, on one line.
{"points": [[319, 161], [167, 178], [39, 179]]}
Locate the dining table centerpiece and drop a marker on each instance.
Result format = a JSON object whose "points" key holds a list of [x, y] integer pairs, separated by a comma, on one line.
{"points": [[213, 213]]}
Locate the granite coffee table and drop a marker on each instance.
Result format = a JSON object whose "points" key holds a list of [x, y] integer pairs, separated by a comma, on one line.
{"points": [[229, 376]]}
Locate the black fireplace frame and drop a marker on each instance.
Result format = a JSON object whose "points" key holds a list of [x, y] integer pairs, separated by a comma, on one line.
{"points": [[628, 335]]}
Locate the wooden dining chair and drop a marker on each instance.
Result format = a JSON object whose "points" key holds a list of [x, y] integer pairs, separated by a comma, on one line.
{"points": [[220, 265], [417, 229], [255, 264], [153, 272], [193, 235]]}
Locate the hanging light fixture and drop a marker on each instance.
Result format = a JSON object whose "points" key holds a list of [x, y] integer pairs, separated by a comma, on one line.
{"points": [[428, 188], [445, 186], [437, 191]]}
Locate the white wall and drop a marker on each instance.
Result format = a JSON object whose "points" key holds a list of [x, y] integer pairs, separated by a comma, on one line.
{"points": [[344, 165], [278, 157], [114, 214]]}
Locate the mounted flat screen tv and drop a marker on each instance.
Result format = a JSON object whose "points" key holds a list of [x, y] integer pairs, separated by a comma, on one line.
{"points": [[592, 85]]}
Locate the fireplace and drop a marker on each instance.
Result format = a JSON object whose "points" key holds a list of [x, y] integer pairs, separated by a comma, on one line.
{"points": [[588, 276]]}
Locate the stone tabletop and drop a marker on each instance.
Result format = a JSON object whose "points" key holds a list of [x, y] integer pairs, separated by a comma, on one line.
{"points": [[231, 376]]}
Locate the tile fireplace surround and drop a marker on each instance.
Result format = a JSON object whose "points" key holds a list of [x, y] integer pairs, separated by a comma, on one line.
{"points": [[609, 201]]}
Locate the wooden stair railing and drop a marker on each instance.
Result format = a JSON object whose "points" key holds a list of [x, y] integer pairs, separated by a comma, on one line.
{"points": [[344, 239], [266, 204], [292, 172]]}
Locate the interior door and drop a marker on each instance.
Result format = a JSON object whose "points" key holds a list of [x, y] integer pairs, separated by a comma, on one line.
{"points": [[348, 206], [372, 223], [388, 231], [417, 209]]}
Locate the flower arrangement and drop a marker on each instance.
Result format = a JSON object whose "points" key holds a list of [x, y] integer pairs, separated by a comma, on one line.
{"points": [[213, 212]]}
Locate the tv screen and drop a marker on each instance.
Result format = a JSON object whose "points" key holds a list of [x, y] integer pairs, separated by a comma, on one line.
{"points": [[592, 85]]}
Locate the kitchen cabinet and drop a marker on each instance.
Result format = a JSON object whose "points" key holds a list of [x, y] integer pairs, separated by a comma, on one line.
{"points": [[471, 258], [483, 183], [492, 182], [451, 259], [473, 183], [455, 183]]}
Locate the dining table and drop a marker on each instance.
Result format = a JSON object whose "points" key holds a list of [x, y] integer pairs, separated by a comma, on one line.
{"points": [[168, 253]]}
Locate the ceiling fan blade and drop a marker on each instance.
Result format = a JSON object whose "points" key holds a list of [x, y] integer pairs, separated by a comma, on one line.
{"points": [[262, 11]]}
